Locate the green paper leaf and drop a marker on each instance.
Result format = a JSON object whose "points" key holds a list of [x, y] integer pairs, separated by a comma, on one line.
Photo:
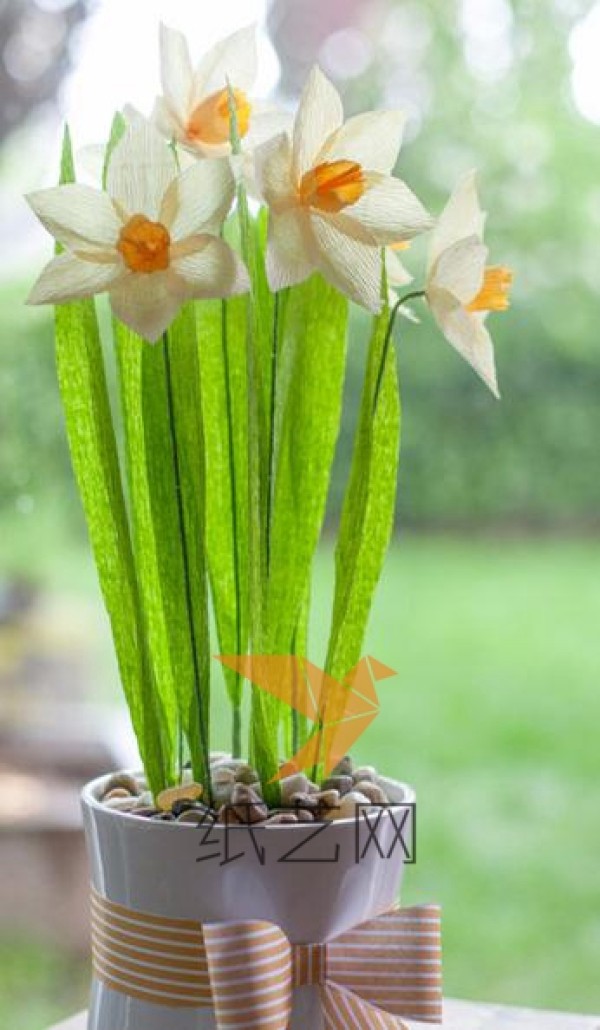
{"points": [[183, 375], [153, 493], [93, 447], [222, 348], [310, 390], [369, 506]]}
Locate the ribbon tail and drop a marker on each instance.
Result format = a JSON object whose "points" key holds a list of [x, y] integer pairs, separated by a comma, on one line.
{"points": [[343, 1009], [250, 971]]}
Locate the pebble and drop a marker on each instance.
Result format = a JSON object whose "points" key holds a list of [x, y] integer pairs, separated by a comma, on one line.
{"points": [[296, 784], [162, 817], [121, 804], [145, 800], [145, 812], [372, 791], [365, 772], [182, 806], [344, 767], [248, 805], [118, 792], [198, 815], [343, 784], [122, 781], [328, 798], [347, 808], [304, 816], [228, 816], [281, 818], [186, 792], [221, 794], [309, 801], [246, 774], [222, 775]]}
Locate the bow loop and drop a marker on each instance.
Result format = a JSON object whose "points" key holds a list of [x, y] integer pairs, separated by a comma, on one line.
{"points": [[393, 962]]}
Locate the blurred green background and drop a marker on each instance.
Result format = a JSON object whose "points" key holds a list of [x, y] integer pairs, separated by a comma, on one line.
{"points": [[490, 605]]}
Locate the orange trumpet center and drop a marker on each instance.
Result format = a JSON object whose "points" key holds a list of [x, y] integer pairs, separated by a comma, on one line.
{"points": [[332, 186], [144, 245], [211, 120], [493, 295]]}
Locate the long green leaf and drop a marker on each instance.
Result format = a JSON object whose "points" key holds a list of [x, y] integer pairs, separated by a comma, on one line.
{"points": [[155, 520], [369, 505], [182, 371], [222, 345], [88, 417], [311, 381]]}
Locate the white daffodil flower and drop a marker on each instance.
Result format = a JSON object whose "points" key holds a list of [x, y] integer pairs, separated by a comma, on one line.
{"points": [[333, 202], [150, 241], [194, 109], [461, 289]]}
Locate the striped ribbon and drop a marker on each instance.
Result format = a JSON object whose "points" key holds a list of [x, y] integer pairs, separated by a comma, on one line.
{"points": [[370, 977]]}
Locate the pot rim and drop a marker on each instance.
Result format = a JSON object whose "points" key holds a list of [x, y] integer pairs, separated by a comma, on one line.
{"points": [[90, 797]]}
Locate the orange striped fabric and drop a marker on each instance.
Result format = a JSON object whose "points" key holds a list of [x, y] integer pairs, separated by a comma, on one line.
{"points": [[370, 977]]}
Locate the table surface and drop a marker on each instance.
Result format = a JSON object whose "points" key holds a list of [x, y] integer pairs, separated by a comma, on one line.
{"points": [[469, 1015]]}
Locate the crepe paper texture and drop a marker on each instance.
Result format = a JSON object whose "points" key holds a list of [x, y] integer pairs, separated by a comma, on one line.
{"points": [[231, 238]]}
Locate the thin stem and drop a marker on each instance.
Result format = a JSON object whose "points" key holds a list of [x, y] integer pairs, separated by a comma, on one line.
{"points": [[388, 340], [186, 567], [272, 412], [237, 716], [180, 749], [236, 732]]}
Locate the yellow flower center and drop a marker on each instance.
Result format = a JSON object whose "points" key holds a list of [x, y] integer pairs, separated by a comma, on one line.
{"points": [[145, 245], [493, 295], [332, 186], [211, 120]]}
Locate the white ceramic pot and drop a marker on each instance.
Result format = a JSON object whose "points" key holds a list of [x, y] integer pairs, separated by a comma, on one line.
{"points": [[313, 887]]}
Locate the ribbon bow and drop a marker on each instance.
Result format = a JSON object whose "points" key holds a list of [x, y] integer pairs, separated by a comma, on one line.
{"points": [[370, 977]]}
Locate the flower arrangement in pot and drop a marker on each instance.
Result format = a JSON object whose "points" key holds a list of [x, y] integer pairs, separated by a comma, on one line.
{"points": [[248, 888]]}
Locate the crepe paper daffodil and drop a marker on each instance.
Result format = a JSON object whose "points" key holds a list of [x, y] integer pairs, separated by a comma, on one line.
{"points": [[194, 109], [462, 289], [333, 202], [151, 240]]}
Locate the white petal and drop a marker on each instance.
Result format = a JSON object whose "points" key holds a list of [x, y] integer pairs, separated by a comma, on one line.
{"points": [[90, 164], [141, 170], [289, 259], [166, 122], [467, 334], [68, 278], [148, 304], [273, 171], [389, 211], [234, 60], [460, 269], [373, 140], [351, 266], [214, 270], [397, 274], [176, 71], [320, 114], [461, 217], [199, 200], [265, 125], [79, 217]]}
